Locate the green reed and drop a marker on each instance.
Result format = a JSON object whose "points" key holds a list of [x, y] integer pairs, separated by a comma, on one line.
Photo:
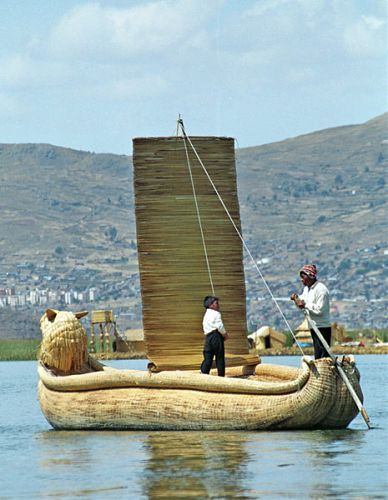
{"points": [[19, 350]]}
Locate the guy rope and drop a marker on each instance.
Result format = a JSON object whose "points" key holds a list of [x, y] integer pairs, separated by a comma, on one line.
{"points": [[186, 138], [180, 122], [187, 141]]}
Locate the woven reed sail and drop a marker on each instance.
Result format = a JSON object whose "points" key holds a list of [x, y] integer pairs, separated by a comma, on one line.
{"points": [[173, 270]]}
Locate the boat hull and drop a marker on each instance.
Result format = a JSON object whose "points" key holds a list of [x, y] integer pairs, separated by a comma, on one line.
{"points": [[315, 397]]}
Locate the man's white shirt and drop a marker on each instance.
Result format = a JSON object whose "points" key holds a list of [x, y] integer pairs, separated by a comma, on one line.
{"points": [[317, 303]]}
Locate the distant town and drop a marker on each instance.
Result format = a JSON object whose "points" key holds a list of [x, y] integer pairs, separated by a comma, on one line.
{"points": [[356, 284]]}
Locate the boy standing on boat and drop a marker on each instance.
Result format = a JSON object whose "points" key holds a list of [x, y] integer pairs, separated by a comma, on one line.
{"points": [[315, 299], [215, 335]]}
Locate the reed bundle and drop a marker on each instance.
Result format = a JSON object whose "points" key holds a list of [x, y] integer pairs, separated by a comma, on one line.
{"points": [[64, 342], [173, 270], [269, 382], [307, 398]]}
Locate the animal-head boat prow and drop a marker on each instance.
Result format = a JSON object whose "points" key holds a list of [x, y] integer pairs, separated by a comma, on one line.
{"points": [[64, 341]]}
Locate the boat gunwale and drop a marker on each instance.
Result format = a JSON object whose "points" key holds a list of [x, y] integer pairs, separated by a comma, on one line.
{"points": [[110, 378]]}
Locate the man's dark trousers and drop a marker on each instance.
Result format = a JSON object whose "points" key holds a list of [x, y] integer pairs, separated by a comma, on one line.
{"points": [[214, 346], [319, 350]]}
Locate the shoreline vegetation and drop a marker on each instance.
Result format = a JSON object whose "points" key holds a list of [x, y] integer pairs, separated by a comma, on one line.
{"points": [[19, 349], [27, 350]]}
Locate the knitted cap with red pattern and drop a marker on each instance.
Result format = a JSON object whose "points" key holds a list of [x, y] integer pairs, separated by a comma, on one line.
{"points": [[310, 270]]}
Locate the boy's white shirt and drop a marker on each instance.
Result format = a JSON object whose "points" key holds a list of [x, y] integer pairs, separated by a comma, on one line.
{"points": [[212, 320]]}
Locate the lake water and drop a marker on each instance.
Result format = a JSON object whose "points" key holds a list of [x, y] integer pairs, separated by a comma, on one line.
{"points": [[38, 462]]}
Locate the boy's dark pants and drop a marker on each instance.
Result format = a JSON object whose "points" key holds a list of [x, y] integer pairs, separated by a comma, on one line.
{"points": [[214, 346], [319, 350]]}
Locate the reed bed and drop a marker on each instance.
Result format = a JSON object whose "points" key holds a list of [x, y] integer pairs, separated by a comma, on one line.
{"points": [[19, 350]]}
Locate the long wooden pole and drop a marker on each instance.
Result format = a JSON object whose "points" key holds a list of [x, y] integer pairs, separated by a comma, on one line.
{"points": [[353, 393]]}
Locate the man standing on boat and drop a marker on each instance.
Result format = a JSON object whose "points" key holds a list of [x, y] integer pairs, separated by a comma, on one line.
{"points": [[315, 299], [215, 336]]}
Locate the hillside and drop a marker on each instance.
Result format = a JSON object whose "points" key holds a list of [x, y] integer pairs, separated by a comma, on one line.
{"points": [[68, 216], [54, 197], [330, 179], [321, 197]]}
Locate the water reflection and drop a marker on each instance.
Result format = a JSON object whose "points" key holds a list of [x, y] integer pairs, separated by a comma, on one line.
{"points": [[87, 463], [332, 445], [195, 464], [143, 465], [199, 464], [306, 464], [332, 451]]}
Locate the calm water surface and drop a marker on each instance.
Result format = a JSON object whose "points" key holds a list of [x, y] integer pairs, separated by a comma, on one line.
{"points": [[38, 462]]}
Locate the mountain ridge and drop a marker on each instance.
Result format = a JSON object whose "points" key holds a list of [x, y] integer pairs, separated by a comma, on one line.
{"points": [[315, 197]]}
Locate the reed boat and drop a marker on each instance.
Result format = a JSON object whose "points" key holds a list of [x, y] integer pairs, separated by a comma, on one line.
{"points": [[189, 244], [272, 397]]}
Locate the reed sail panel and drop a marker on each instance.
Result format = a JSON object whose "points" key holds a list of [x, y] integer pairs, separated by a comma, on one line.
{"points": [[173, 272]]}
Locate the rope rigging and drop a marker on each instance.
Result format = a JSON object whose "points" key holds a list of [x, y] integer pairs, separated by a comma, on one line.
{"points": [[310, 322], [186, 140], [180, 122]]}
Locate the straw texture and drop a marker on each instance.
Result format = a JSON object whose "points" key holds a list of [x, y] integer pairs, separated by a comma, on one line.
{"points": [[110, 378], [170, 401], [173, 270], [64, 342], [344, 407]]}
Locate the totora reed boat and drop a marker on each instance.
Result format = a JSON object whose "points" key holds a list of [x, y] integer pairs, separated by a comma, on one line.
{"points": [[189, 245]]}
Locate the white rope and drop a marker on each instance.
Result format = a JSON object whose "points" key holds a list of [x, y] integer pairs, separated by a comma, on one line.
{"points": [[197, 209], [180, 122]]}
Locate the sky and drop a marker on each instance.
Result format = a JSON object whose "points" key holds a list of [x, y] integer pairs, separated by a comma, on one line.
{"points": [[93, 75]]}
